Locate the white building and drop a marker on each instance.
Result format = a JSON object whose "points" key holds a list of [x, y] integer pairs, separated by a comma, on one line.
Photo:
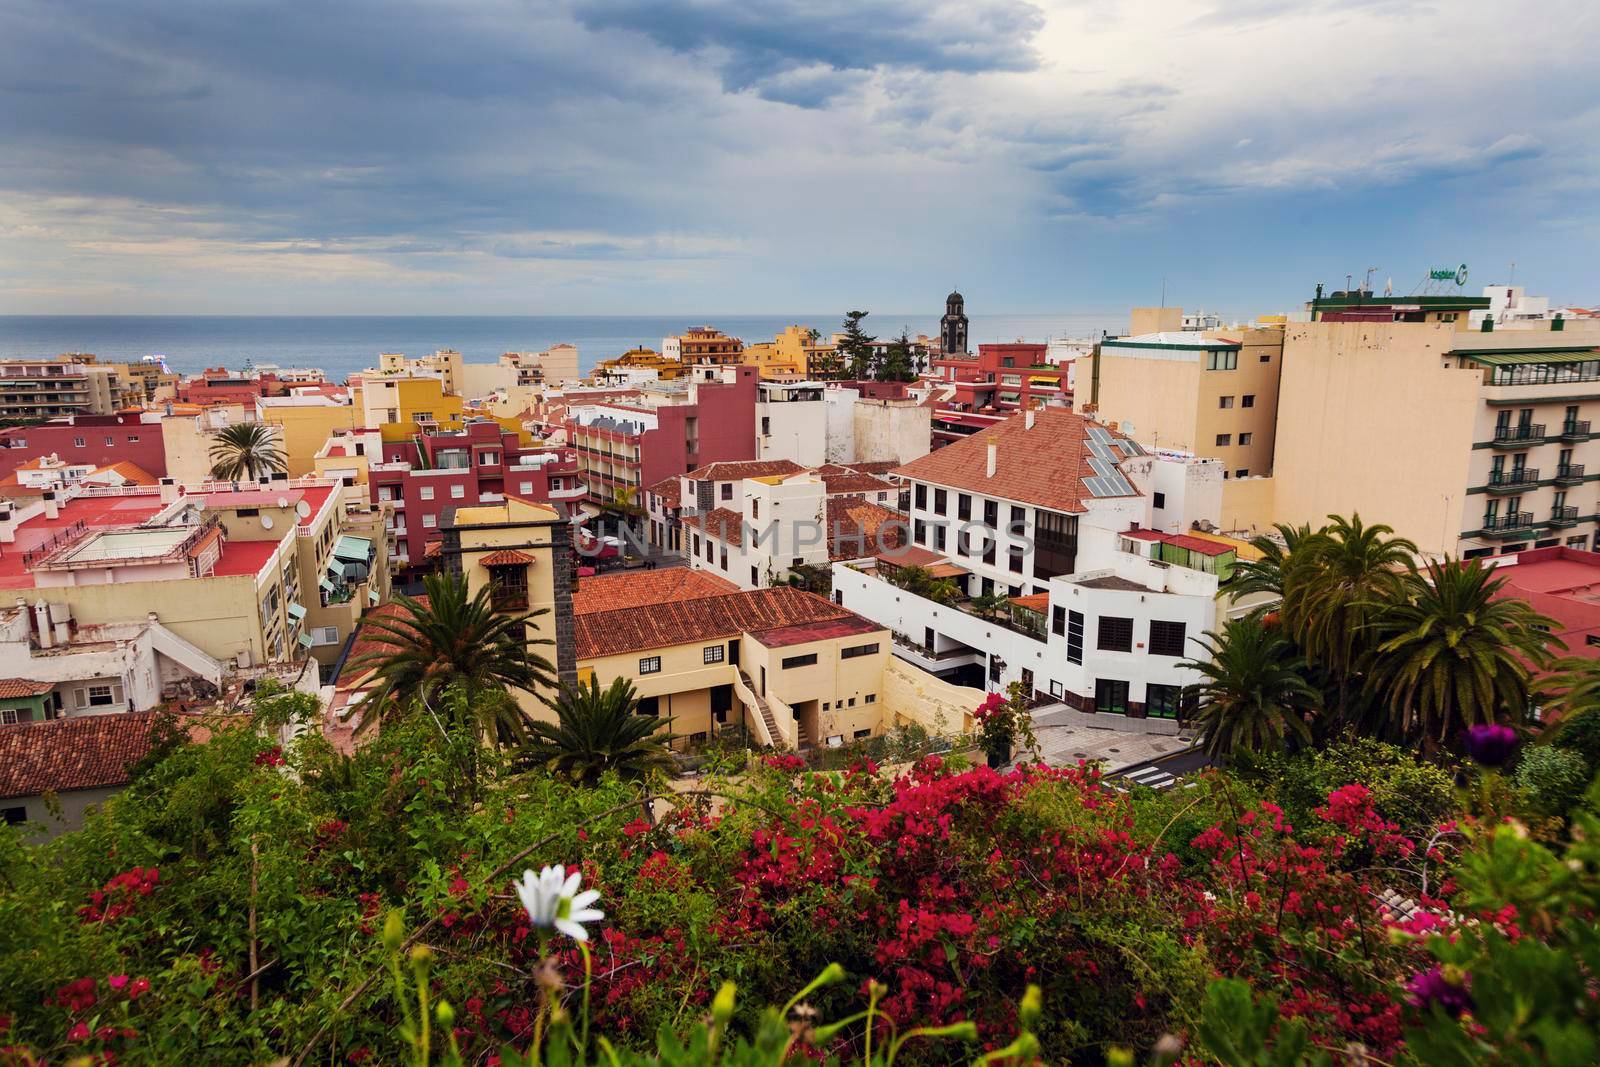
{"points": [[1048, 509], [867, 428], [792, 423]]}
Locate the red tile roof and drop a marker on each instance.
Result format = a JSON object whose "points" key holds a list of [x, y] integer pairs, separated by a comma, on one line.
{"points": [[721, 523], [1045, 466], [857, 528], [79, 752], [22, 688], [1039, 602], [734, 470], [821, 630], [1199, 544], [853, 482], [614, 592], [669, 490], [506, 557], [369, 641], [610, 633]]}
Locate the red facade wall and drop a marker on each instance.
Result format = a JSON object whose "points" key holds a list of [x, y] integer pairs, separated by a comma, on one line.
{"points": [[131, 441]]}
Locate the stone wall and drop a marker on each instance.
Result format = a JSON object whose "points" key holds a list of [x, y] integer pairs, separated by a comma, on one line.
{"points": [[912, 695]]}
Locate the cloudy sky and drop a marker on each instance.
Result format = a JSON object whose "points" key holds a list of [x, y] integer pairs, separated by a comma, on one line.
{"points": [[649, 156]]}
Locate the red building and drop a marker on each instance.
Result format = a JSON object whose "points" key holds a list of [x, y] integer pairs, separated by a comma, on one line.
{"points": [[1563, 583], [219, 385], [98, 439], [1002, 378], [479, 464], [625, 448]]}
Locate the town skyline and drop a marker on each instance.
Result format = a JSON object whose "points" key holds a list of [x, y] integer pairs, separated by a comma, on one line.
{"points": [[604, 158]]}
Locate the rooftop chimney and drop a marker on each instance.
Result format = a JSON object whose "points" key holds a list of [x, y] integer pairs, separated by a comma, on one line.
{"points": [[994, 456], [1027, 420], [8, 525], [41, 615], [169, 490], [51, 508]]}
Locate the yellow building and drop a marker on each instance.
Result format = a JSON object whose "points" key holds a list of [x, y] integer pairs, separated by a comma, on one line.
{"points": [[445, 365], [401, 406], [771, 363], [791, 668], [307, 422], [523, 552], [1212, 393], [638, 363], [1467, 442]]}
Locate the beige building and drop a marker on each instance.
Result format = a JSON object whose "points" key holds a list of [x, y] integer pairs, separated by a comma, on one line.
{"points": [[306, 422], [1210, 393], [1468, 442], [69, 385], [444, 365]]}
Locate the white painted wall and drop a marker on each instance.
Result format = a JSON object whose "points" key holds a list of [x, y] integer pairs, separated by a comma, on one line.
{"points": [[796, 430]]}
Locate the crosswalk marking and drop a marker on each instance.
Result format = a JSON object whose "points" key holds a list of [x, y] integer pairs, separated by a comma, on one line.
{"points": [[1154, 777]]}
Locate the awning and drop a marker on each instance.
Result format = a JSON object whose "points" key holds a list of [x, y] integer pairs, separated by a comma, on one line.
{"points": [[326, 584], [1040, 379], [296, 612], [1531, 355], [305, 640], [372, 596], [353, 548]]}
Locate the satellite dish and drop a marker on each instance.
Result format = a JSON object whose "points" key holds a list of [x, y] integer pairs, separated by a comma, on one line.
{"points": [[283, 501], [303, 509], [266, 522]]}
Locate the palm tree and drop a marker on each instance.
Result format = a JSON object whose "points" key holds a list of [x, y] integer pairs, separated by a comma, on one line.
{"points": [[1334, 585], [598, 730], [1265, 575], [989, 605], [244, 452], [1253, 696], [1449, 654], [446, 639]]}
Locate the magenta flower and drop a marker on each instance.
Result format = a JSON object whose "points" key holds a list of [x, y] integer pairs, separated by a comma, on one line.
{"points": [[117, 981], [1490, 743], [1433, 987]]}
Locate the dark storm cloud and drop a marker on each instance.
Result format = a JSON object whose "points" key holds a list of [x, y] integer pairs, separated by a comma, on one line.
{"points": [[756, 44]]}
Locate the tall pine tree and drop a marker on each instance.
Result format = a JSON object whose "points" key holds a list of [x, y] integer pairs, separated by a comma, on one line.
{"points": [[855, 347], [899, 363]]}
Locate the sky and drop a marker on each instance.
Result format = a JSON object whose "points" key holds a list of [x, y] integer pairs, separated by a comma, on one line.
{"points": [[537, 157]]}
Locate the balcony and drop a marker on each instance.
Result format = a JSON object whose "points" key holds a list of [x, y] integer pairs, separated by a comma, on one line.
{"points": [[1520, 436], [1575, 430], [1563, 517], [1512, 526], [1569, 474], [1513, 480]]}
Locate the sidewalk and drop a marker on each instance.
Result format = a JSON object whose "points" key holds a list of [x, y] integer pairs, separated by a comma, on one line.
{"points": [[1064, 739]]}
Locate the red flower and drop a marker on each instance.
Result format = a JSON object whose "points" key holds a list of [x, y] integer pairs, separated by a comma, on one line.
{"points": [[80, 1032], [139, 988], [117, 981]]}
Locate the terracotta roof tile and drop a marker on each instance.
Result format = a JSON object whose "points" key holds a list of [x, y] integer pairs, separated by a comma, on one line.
{"points": [[1045, 466], [614, 592], [849, 481], [610, 633], [669, 490], [856, 528], [506, 557], [734, 470], [721, 523], [22, 688], [78, 752], [369, 641]]}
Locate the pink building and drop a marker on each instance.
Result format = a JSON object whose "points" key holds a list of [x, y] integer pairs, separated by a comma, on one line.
{"points": [[479, 464], [98, 439]]}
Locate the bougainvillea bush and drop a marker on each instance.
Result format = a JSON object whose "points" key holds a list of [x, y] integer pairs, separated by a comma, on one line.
{"points": [[230, 908]]}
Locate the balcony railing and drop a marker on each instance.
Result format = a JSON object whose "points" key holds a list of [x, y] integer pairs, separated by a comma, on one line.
{"points": [[1565, 516], [1513, 479], [1575, 430], [1509, 525], [1519, 435], [1569, 473]]}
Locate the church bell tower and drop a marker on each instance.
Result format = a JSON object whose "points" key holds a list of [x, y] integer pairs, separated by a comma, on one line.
{"points": [[953, 327]]}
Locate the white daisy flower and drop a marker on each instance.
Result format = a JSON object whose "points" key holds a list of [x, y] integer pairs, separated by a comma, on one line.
{"points": [[552, 900]]}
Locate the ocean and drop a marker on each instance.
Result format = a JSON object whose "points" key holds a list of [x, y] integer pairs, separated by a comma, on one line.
{"points": [[343, 345]]}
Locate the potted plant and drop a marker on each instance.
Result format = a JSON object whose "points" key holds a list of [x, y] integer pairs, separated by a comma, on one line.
{"points": [[1002, 721]]}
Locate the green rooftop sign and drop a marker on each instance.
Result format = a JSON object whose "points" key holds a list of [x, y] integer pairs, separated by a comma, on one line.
{"points": [[1449, 274]]}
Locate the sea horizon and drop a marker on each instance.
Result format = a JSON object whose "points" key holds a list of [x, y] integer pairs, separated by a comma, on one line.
{"points": [[341, 345]]}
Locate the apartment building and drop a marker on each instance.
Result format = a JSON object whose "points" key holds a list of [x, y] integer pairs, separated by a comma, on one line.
{"points": [[625, 447], [417, 481], [704, 344], [401, 404], [638, 367], [306, 421], [95, 440], [987, 504], [792, 422], [444, 365], [1466, 441], [1002, 378], [1212, 393], [1101, 610], [49, 388]]}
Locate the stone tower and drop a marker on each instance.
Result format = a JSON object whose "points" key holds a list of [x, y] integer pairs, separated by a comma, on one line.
{"points": [[953, 327]]}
